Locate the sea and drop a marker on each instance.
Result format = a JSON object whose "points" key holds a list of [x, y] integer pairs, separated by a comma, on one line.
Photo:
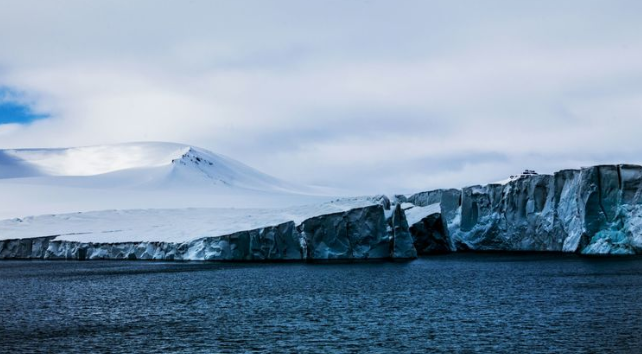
{"points": [[458, 303]]}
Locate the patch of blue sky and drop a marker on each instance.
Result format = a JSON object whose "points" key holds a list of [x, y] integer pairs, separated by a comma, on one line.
{"points": [[14, 111]]}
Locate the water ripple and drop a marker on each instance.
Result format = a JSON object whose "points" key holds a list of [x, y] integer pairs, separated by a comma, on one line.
{"points": [[458, 303]]}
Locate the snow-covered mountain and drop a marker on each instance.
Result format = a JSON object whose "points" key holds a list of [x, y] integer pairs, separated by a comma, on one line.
{"points": [[136, 176], [151, 193]]}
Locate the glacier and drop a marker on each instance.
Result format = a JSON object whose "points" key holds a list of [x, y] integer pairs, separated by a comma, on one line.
{"points": [[362, 233], [593, 211], [173, 202]]}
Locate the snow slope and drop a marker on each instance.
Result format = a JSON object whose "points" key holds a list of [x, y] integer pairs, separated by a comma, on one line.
{"points": [[137, 176], [168, 225], [93, 160]]}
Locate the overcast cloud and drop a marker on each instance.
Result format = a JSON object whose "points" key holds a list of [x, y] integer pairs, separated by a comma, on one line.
{"points": [[375, 96]]}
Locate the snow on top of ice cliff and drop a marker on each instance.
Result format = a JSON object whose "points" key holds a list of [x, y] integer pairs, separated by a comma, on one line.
{"points": [[414, 214], [168, 225], [526, 173]]}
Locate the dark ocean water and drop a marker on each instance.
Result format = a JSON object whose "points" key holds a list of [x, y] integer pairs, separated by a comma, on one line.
{"points": [[450, 304]]}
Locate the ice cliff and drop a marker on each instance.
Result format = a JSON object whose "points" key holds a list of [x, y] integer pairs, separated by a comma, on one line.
{"points": [[594, 211], [370, 232]]}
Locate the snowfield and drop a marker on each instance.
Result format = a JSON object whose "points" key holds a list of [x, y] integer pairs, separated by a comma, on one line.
{"points": [[165, 225], [138, 176]]}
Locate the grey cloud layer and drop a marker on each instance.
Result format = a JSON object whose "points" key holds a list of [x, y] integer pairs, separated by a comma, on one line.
{"points": [[373, 95]]}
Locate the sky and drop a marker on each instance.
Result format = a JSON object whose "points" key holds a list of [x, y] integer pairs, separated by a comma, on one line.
{"points": [[371, 96]]}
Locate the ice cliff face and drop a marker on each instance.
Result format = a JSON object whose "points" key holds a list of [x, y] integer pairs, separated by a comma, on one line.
{"points": [[596, 210], [371, 232]]}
